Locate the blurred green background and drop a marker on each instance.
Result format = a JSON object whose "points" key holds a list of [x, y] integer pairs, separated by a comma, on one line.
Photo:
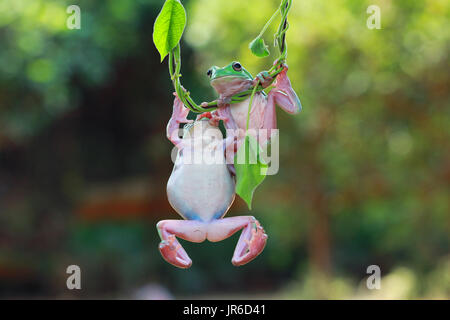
{"points": [[364, 168]]}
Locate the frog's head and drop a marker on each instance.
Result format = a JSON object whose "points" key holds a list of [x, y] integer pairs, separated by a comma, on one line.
{"points": [[230, 79]]}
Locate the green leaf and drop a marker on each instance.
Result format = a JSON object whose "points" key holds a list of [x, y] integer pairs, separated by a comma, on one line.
{"points": [[169, 27], [250, 170], [259, 48]]}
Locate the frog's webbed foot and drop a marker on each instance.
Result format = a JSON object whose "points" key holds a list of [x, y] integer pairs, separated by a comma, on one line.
{"points": [[170, 248], [214, 119], [204, 115], [251, 242], [263, 78], [173, 252], [281, 65]]}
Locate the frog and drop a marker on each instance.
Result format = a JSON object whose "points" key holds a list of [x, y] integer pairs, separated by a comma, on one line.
{"points": [[202, 192], [233, 79], [190, 187]]}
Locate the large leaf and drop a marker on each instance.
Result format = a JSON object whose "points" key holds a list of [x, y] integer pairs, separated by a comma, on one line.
{"points": [[169, 27], [250, 169], [259, 48]]}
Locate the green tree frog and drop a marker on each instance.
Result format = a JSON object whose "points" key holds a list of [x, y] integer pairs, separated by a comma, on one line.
{"points": [[234, 78]]}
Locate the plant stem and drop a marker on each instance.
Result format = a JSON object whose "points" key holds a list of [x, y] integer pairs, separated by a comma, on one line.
{"points": [[269, 22]]}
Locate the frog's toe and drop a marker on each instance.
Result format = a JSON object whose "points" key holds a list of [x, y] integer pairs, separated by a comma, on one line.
{"points": [[250, 245], [204, 115], [263, 75], [264, 78], [173, 252]]}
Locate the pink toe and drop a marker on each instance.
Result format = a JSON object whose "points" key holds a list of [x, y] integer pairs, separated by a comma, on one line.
{"points": [[174, 254]]}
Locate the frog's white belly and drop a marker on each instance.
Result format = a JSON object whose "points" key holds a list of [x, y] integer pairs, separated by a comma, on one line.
{"points": [[200, 191]]}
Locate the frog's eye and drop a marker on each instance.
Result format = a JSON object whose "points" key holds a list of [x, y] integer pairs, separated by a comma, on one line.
{"points": [[209, 73], [237, 66]]}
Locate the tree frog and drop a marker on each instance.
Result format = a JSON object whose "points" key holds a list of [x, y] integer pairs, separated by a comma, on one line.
{"points": [[234, 78], [202, 191]]}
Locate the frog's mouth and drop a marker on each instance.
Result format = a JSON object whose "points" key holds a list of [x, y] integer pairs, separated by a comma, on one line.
{"points": [[230, 85]]}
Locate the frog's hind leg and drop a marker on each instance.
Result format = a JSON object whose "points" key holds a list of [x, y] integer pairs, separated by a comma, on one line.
{"points": [[251, 242], [170, 248]]}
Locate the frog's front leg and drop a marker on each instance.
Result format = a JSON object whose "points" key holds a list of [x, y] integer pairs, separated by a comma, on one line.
{"points": [[170, 248], [179, 114], [213, 117], [251, 242], [283, 94], [263, 78]]}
